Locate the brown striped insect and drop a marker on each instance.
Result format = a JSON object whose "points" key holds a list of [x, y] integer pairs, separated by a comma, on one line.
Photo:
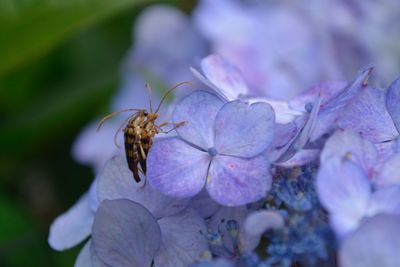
{"points": [[139, 132]]}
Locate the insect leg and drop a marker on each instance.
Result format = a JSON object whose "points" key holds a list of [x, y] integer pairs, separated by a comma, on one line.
{"points": [[176, 125], [135, 170], [142, 151]]}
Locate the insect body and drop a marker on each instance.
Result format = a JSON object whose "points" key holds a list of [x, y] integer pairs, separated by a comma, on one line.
{"points": [[139, 132]]}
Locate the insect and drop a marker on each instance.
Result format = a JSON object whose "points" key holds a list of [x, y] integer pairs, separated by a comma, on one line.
{"points": [[139, 131]]}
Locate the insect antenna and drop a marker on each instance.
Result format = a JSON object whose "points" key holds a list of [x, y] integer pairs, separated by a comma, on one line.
{"points": [[112, 114], [148, 87], [168, 92]]}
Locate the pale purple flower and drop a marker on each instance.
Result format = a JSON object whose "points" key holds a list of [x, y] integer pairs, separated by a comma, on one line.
{"points": [[283, 47], [333, 107], [270, 45], [127, 234], [389, 172], [347, 144], [223, 77], [226, 80], [374, 243], [180, 242], [219, 147], [344, 183], [368, 116], [130, 217], [294, 144], [373, 114], [392, 102]]}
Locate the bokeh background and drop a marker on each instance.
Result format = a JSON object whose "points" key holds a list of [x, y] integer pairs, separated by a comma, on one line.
{"points": [[59, 66]]}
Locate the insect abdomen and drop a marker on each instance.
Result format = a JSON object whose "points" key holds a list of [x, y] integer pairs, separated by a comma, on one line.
{"points": [[131, 152]]}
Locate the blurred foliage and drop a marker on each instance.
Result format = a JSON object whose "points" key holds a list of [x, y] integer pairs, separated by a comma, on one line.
{"points": [[29, 28], [59, 67]]}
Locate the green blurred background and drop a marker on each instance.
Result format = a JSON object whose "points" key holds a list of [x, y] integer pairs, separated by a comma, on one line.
{"points": [[59, 67]]}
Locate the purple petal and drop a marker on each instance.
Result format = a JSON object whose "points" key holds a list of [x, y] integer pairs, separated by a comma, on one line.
{"points": [[93, 199], [198, 110], [72, 227], [392, 102], [345, 143], [116, 182], [385, 151], [235, 181], [125, 234], [307, 128], [218, 262], [180, 40], [367, 115], [218, 222], [284, 135], [244, 130], [84, 258], [283, 112], [344, 190], [301, 158], [258, 222], [88, 257], [375, 243], [310, 125], [182, 242], [331, 110], [385, 200], [204, 205], [343, 225], [96, 261], [389, 174], [226, 77], [327, 90], [176, 168], [204, 80], [351, 90]]}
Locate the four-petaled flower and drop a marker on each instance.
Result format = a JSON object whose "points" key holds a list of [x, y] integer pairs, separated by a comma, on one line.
{"points": [[220, 146]]}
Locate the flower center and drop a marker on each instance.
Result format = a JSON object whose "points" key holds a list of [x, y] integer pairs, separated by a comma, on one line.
{"points": [[212, 151]]}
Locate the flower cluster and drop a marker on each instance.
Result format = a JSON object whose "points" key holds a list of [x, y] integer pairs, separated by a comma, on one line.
{"points": [[268, 167]]}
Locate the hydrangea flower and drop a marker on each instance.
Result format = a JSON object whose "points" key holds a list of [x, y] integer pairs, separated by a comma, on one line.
{"points": [[220, 146], [236, 139], [344, 187], [150, 225], [139, 238], [283, 48], [374, 243]]}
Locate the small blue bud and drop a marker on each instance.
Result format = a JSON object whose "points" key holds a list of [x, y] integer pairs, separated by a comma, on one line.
{"points": [[232, 227], [213, 237], [308, 107]]}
